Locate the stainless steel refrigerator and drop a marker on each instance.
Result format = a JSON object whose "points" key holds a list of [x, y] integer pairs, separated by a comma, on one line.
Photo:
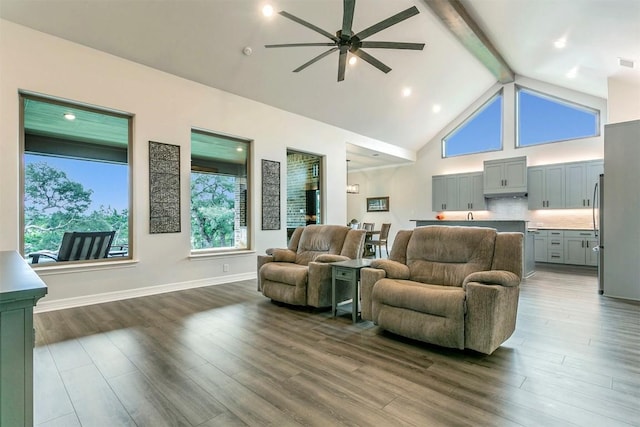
{"points": [[598, 228], [619, 212]]}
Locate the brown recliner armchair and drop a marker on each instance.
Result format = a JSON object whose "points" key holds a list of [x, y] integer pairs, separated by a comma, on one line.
{"points": [[450, 286], [301, 274]]}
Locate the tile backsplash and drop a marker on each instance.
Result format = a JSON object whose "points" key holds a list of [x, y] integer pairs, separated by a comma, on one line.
{"points": [[517, 208]]}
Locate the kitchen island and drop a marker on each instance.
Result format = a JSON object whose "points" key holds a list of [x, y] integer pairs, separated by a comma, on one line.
{"points": [[504, 225]]}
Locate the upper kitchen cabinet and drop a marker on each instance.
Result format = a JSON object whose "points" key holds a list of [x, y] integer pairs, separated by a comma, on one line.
{"points": [[546, 187], [457, 192], [580, 178], [505, 177], [444, 193], [471, 191]]}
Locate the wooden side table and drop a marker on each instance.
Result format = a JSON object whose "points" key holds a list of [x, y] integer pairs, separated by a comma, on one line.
{"points": [[347, 272]]}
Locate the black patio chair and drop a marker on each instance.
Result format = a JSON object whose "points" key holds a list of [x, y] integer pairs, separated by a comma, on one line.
{"points": [[79, 245]]}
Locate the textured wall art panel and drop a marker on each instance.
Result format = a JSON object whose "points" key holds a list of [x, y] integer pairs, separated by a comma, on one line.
{"points": [[164, 188], [270, 195]]}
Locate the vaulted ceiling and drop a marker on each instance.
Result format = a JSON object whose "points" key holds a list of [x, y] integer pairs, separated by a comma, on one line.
{"points": [[205, 41]]}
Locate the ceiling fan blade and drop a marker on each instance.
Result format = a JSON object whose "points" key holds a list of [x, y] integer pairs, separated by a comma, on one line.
{"points": [[342, 62], [392, 45], [316, 59], [371, 60], [298, 44], [347, 17], [398, 17], [309, 25]]}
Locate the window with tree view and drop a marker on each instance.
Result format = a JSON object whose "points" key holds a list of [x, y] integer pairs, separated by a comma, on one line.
{"points": [[219, 185], [76, 179]]}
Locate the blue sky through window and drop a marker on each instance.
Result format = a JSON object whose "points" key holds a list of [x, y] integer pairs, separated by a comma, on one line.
{"points": [[479, 133], [542, 119], [108, 181]]}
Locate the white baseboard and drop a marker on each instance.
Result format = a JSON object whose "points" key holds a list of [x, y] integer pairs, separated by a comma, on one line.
{"points": [[61, 304]]}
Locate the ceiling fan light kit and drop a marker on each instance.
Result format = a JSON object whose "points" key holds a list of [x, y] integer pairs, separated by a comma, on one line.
{"points": [[346, 41]]}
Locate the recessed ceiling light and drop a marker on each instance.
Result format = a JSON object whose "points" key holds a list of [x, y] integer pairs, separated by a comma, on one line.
{"points": [[406, 92], [436, 108], [572, 73], [353, 60], [561, 43], [69, 116], [267, 10]]}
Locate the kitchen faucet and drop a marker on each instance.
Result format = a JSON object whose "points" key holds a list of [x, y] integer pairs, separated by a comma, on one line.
{"points": [[470, 216]]}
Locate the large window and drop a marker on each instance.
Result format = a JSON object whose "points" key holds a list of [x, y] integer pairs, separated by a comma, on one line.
{"points": [[542, 119], [219, 182], [75, 175], [481, 132]]}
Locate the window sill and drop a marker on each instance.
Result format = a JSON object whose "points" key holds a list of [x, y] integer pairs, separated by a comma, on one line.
{"points": [[64, 268], [219, 253]]}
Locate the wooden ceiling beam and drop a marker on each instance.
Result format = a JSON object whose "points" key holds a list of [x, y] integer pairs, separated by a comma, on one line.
{"points": [[457, 19]]}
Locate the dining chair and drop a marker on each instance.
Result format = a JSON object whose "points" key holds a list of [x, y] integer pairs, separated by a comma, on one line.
{"points": [[381, 240]]}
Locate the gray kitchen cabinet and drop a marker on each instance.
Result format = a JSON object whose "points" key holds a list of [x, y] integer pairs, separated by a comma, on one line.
{"points": [[578, 247], [580, 177], [540, 245], [546, 187], [505, 176], [555, 246], [20, 289], [470, 191], [444, 193], [457, 192]]}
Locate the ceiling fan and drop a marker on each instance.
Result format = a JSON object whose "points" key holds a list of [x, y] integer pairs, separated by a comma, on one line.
{"points": [[346, 41]]}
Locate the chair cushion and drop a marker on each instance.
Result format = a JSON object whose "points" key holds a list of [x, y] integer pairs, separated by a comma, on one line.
{"points": [[446, 255], [439, 300], [430, 313], [285, 272]]}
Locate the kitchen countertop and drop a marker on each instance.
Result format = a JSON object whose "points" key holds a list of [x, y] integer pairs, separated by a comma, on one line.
{"points": [[560, 228]]}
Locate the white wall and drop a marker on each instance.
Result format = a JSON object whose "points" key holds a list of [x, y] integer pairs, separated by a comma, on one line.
{"points": [[409, 187], [624, 100], [165, 108]]}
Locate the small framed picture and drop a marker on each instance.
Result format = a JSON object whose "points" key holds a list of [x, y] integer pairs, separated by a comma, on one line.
{"points": [[378, 204]]}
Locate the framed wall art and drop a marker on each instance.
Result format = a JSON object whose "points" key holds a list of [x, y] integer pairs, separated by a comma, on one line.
{"points": [[164, 188], [378, 204], [270, 195]]}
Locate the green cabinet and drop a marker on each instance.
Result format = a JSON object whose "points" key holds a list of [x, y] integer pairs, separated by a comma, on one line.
{"points": [[20, 289]]}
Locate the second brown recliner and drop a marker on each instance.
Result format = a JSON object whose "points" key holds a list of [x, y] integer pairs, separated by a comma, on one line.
{"points": [[451, 286]]}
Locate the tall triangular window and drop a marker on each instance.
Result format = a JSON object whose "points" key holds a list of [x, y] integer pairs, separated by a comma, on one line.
{"points": [[479, 133], [542, 119]]}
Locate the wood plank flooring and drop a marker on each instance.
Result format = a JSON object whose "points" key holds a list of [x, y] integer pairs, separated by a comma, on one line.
{"points": [[227, 356]]}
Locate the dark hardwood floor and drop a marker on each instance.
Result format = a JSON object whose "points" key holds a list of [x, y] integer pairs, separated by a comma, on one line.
{"points": [[227, 356]]}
